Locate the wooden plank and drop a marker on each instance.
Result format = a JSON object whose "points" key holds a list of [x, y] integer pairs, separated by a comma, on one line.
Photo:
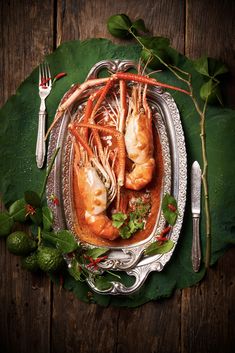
{"points": [[25, 299], [210, 31], [89, 328], [154, 327], [207, 311], [207, 318], [87, 18]]}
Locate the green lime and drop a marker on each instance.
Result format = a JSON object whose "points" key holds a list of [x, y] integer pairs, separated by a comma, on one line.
{"points": [[20, 243], [147, 55], [30, 262], [49, 259]]}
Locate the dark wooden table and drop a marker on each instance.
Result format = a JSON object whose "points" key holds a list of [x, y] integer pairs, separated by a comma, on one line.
{"points": [[36, 316]]}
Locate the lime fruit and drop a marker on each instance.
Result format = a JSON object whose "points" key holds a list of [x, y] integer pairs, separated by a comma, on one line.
{"points": [[30, 262], [20, 243], [49, 259]]}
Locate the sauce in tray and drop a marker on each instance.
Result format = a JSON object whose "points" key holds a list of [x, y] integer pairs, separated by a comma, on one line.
{"points": [[153, 192]]}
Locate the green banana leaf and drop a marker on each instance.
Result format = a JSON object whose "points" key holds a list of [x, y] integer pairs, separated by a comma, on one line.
{"points": [[18, 171]]}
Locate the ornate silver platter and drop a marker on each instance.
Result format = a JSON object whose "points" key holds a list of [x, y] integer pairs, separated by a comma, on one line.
{"points": [[130, 258]]}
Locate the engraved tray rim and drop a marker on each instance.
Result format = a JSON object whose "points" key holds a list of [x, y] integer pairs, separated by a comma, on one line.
{"points": [[130, 258]]}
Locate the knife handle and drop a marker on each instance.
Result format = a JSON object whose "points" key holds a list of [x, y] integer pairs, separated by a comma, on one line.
{"points": [[196, 247]]}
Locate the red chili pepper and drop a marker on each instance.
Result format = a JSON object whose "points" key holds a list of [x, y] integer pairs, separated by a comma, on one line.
{"points": [[94, 262], [30, 210], [161, 237], [55, 200], [171, 207], [166, 230], [59, 75], [44, 81]]}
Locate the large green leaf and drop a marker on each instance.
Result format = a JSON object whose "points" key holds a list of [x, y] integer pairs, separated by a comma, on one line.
{"points": [[18, 171]]}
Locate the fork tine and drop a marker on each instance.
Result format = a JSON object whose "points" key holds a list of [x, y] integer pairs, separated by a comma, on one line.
{"points": [[47, 69], [40, 74]]}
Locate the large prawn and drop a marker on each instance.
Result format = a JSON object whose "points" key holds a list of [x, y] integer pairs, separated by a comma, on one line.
{"points": [[99, 175], [139, 140], [90, 184]]}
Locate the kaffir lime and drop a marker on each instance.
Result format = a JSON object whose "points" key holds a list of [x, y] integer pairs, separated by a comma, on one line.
{"points": [[49, 259], [20, 243], [30, 262]]}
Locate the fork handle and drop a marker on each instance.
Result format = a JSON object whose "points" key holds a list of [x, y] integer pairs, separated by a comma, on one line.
{"points": [[41, 144]]}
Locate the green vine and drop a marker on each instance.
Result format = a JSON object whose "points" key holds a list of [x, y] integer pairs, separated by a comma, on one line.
{"points": [[155, 54]]}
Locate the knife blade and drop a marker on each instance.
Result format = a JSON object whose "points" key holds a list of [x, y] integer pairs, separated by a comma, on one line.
{"points": [[196, 178]]}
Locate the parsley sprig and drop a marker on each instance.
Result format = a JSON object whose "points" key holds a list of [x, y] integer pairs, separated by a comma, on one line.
{"points": [[134, 221]]}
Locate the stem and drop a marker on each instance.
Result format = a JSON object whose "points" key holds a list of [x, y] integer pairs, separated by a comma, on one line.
{"points": [[39, 236], [205, 186], [49, 171], [202, 115]]}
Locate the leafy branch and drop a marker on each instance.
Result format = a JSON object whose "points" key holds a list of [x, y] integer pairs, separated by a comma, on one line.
{"points": [[157, 54]]}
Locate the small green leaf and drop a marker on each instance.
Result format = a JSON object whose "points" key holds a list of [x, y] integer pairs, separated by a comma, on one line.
{"points": [[17, 210], [170, 216], [125, 232], [155, 43], [210, 91], [6, 223], [32, 198], [75, 270], [102, 283], [201, 66], [158, 248], [63, 240], [139, 25], [47, 218], [118, 25], [118, 219], [216, 67], [96, 252]]}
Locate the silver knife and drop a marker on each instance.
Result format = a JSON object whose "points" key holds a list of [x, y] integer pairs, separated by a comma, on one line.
{"points": [[196, 177]]}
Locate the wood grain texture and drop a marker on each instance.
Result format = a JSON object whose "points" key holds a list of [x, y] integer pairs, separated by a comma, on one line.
{"points": [[88, 18], [210, 31], [25, 300], [208, 311]]}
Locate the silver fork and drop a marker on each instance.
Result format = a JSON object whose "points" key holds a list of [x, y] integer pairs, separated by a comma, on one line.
{"points": [[44, 86]]}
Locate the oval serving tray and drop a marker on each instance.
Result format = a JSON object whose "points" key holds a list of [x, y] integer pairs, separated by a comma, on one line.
{"points": [[131, 258]]}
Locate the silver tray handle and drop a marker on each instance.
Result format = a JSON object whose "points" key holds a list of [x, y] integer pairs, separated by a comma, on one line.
{"points": [[140, 273]]}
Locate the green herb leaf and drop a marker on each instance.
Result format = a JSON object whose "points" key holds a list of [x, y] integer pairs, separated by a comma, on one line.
{"points": [[118, 219], [210, 91], [139, 25], [75, 270], [32, 198], [216, 67], [125, 232], [96, 252], [201, 66], [6, 223], [155, 43], [118, 25], [63, 240], [102, 283], [170, 216], [47, 218], [158, 248], [17, 210]]}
